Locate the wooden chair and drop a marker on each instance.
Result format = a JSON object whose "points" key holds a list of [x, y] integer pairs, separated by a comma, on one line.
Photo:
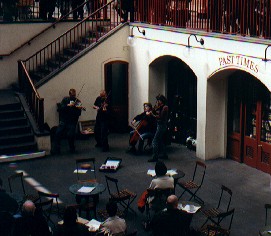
{"points": [[214, 214], [219, 230], [124, 197], [194, 185], [86, 164], [87, 208], [15, 181], [55, 196]]}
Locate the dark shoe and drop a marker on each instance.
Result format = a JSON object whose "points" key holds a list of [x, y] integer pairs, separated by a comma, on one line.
{"points": [[152, 160]]}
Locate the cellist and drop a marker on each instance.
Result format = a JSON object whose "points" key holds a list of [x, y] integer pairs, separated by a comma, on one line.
{"points": [[145, 129]]}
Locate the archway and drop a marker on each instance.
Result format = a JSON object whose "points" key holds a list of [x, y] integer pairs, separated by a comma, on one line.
{"points": [[172, 77]]}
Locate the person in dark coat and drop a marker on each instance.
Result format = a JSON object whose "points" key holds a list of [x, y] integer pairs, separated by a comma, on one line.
{"points": [[171, 221], [7, 203], [32, 222], [70, 226], [69, 112]]}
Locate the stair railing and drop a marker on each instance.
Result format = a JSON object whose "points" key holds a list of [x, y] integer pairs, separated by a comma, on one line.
{"points": [[35, 102], [53, 25], [86, 32]]}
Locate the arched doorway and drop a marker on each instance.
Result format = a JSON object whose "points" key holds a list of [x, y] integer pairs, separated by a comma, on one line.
{"points": [[249, 121], [172, 77], [116, 84]]}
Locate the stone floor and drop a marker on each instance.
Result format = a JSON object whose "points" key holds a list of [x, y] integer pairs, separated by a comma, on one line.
{"points": [[251, 188]]}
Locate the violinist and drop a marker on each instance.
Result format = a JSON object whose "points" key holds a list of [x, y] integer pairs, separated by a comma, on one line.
{"points": [[69, 112], [101, 128], [161, 115], [144, 130]]}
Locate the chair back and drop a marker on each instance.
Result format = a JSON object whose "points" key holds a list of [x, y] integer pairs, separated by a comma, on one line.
{"points": [[55, 197], [199, 173], [46, 208], [225, 198], [15, 181], [112, 185], [229, 216], [160, 197], [86, 164], [267, 208]]}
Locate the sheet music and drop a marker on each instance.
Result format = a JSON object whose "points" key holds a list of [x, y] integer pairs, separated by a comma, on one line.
{"points": [[112, 163], [151, 173], [93, 225], [169, 172], [85, 189], [80, 171]]}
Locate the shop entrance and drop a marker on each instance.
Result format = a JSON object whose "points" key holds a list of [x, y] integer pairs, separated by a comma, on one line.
{"points": [[249, 121]]}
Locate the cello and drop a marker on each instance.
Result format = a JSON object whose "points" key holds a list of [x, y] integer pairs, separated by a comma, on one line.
{"points": [[136, 136]]}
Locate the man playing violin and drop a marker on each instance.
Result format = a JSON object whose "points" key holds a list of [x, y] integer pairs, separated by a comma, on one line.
{"points": [[144, 130], [101, 128], [161, 115], [69, 111]]}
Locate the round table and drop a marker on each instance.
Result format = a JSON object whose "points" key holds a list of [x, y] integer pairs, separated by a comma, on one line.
{"points": [[99, 188], [264, 231]]}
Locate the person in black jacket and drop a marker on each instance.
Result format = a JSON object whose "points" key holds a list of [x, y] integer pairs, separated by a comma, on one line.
{"points": [[69, 112], [101, 128], [171, 221], [32, 222], [70, 226]]}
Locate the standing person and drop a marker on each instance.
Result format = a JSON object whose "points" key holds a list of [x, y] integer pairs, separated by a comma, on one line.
{"points": [[102, 121], [161, 115], [69, 112], [145, 129], [80, 10], [64, 6]]}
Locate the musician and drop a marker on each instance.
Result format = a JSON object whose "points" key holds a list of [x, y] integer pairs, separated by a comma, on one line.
{"points": [[161, 115], [69, 112], [101, 128], [145, 129]]}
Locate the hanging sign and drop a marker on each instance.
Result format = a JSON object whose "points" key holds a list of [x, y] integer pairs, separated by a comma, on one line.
{"points": [[239, 61]]}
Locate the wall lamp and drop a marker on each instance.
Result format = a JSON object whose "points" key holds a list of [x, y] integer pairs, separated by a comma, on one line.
{"points": [[201, 41], [186, 51], [265, 51], [263, 66], [131, 38]]}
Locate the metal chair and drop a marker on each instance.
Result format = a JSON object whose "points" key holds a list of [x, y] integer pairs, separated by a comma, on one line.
{"points": [[124, 197], [219, 230], [194, 185], [86, 164], [15, 181], [214, 214], [267, 207], [55, 196], [46, 208]]}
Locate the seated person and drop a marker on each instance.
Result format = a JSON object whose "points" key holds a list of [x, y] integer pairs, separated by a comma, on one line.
{"points": [[171, 221], [70, 226], [114, 225], [162, 181], [31, 222], [7, 203], [145, 129]]}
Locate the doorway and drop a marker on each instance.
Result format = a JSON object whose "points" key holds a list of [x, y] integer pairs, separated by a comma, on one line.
{"points": [[116, 85], [249, 121]]}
